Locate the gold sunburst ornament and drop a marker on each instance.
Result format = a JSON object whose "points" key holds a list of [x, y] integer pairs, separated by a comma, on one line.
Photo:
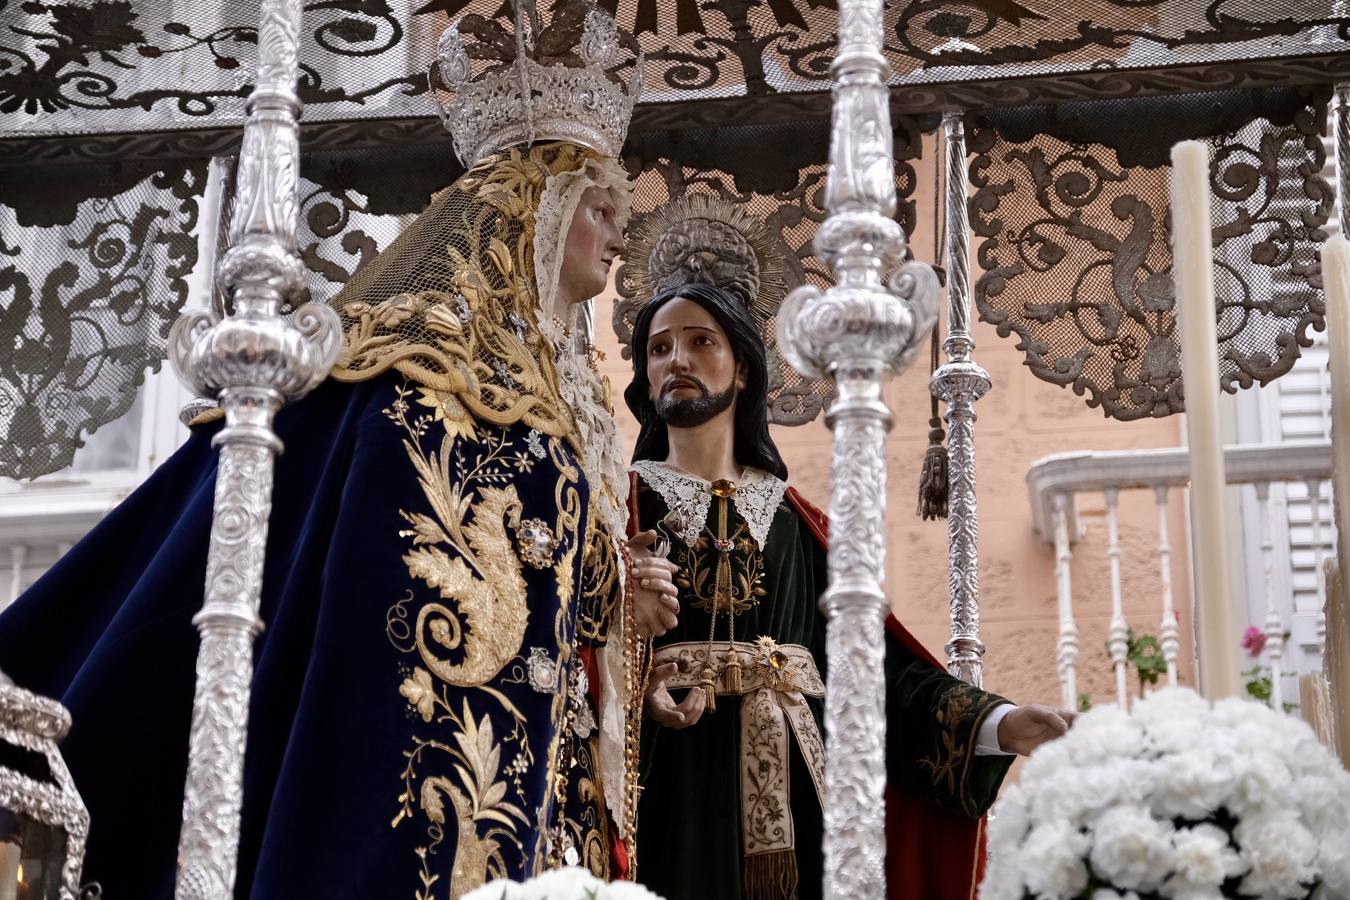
{"points": [[704, 238]]}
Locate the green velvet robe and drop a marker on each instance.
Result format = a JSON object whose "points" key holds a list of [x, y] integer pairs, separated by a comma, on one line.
{"points": [[689, 818]]}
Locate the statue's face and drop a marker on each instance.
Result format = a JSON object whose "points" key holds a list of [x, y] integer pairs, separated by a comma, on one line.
{"points": [[691, 366], [593, 241]]}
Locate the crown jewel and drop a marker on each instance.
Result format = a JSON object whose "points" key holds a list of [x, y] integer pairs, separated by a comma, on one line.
{"points": [[558, 82]]}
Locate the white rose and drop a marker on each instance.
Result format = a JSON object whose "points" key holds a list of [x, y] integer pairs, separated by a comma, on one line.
{"points": [[1130, 848], [1052, 861], [1202, 860], [1107, 894], [1281, 852]]}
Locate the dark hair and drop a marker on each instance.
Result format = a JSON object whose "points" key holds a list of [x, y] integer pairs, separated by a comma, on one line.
{"points": [[753, 446]]}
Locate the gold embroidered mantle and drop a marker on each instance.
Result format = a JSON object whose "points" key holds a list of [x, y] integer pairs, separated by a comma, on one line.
{"points": [[453, 303]]}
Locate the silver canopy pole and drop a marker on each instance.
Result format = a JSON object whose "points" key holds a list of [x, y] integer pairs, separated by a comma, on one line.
{"points": [[253, 360], [860, 332]]}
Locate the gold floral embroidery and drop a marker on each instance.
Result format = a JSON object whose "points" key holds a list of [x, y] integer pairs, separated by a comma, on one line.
{"points": [[952, 714], [600, 594], [464, 551], [699, 570], [447, 409]]}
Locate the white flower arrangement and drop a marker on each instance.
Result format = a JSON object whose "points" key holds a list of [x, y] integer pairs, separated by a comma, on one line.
{"points": [[1179, 800], [571, 883]]}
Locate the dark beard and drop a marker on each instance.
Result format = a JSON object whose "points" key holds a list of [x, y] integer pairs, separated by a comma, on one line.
{"points": [[695, 411]]}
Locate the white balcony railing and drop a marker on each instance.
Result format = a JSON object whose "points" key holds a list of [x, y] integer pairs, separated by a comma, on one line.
{"points": [[1056, 481]]}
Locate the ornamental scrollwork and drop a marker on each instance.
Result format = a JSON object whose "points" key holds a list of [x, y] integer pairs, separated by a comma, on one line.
{"points": [[86, 304], [1074, 247], [120, 64]]}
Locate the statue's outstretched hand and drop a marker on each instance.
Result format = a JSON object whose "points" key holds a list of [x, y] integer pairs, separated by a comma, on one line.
{"points": [[655, 599], [663, 708], [1027, 727]]}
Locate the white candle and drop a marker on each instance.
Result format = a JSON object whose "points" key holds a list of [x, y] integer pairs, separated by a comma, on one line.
{"points": [[1217, 627], [1336, 290], [1336, 285]]}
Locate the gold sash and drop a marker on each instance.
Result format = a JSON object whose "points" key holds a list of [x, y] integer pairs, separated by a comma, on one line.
{"points": [[775, 682]]}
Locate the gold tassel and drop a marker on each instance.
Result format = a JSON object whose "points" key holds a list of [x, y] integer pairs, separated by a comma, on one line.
{"points": [[708, 682], [731, 668], [771, 876]]}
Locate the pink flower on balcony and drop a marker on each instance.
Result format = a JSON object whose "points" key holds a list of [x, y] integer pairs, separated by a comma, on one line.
{"points": [[1253, 641]]}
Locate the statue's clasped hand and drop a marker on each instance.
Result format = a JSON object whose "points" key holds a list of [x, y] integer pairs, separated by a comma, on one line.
{"points": [[656, 605]]}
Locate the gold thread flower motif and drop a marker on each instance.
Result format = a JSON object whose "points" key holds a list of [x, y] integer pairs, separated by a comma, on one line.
{"points": [[420, 693], [449, 411], [444, 322]]}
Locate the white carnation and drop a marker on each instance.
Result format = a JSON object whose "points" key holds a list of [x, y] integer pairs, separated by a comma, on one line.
{"points": [[1191, 785], [1071, 798], [1001, 878], [1105, 733], [1109, 792], [1324, 801], [1263, 781], [1281, 852], [1334, 860], [1052, 861], [1202, 860], [1169, 705], [1174, 735], [1009, 819], [1046, 761], [1130, 848], [568, 883]]}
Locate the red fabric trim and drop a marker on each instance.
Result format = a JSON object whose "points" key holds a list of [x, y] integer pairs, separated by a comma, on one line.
{"points": [[622, 870], [619, 857], [632, 504], [932, 853]]}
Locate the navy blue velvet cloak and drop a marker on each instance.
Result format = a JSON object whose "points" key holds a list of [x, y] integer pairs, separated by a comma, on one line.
{"points": [[418, 705]]}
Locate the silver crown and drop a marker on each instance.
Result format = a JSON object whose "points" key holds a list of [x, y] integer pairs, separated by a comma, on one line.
{"points": [[559, 82]]}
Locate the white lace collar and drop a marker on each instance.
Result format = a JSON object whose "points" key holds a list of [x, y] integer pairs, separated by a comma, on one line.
{"points": [[601, 454], [756, 500]]}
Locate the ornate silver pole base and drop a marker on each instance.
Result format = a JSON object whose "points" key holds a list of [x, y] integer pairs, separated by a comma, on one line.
{"points": [[860, 332], [960, 383], [254, 361]]}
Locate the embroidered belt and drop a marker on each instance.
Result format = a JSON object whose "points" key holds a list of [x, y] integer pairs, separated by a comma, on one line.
{"points": [[775, 681]]}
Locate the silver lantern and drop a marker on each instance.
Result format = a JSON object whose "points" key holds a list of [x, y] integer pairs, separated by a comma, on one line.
{"points": [[43, 822]]}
